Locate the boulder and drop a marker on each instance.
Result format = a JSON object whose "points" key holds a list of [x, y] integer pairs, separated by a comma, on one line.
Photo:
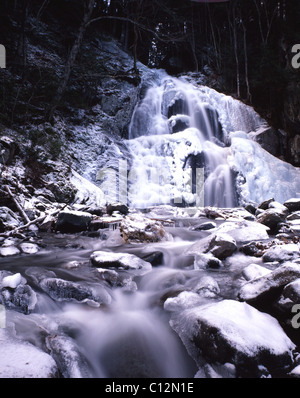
{"points": [[234, 332], [270, 283], [289, 297], [73, 221], [9, 251], [118, 207], [281, 253], [29, 248], [244, 231], [292, 204], [206, 260], [272, 218], [124, 261], [138, 229], [222, 245]]}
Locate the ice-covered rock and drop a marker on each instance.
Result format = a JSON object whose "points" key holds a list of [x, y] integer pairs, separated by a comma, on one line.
{"points": [[12, 281], [69, 360], [125, 261], [63, 290], [259, 287], [290, 295], [184, 300], [20, 359], [235, 332]]}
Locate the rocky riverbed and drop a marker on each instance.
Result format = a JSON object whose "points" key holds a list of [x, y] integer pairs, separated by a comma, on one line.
{"points": [[170, 292]]}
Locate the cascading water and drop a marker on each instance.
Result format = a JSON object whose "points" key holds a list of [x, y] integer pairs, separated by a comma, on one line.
{"points": [[177, 132]]}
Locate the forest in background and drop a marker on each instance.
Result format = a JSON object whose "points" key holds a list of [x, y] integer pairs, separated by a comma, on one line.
{"points": [[242, 46]]}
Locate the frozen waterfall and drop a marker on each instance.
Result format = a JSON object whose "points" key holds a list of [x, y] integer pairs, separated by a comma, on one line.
{"points": [[189, 146]]}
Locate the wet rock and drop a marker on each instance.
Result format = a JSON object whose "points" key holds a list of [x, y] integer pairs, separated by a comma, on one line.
{"points": [[138, 229], [222, 245], [118, 207], [292, 204], [293, 216], [281, 253], [256, 249], [265, 204], [205, 226], [207, 287], [272, 219], [125, 261], [156, 258], [235, 332], [73, 221], [19, 359], [206, 260], [270, 283]]}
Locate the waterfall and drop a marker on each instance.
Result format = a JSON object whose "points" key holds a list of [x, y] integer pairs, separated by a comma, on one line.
{"points": [[189, 146], [179, 143]]}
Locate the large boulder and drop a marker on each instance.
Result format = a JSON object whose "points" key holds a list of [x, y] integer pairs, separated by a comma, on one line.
{"points": [[293, 204], [73, 221], [233, 332]]}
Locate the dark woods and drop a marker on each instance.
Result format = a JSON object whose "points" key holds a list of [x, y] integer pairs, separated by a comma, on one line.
{"points": [[242, 46]]}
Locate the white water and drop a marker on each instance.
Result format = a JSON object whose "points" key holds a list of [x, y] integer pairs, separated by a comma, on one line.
{"points": [[182, 134]]}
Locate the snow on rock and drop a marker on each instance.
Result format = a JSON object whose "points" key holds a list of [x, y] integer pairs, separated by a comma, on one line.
{"points": [[73, 221], [244, 231], [126, 261], [20, 359], [293, 204], [12, 281], [289, 296], [281, 253], [29, 248], [136, 228], [235, 332], [253, 271], [9, 251], [220, 245], [258, 287]]}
